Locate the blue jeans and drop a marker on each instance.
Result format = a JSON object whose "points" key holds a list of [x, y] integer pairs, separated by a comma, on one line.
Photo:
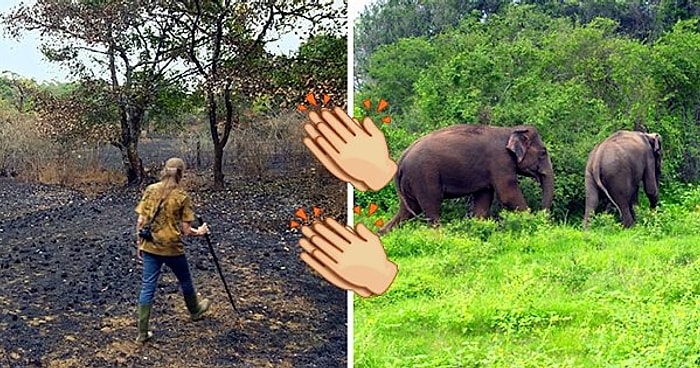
{"points": [[152, 264]]}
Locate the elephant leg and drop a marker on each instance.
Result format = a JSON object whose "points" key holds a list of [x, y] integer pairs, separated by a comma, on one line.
{"points": [[635, 196], [627, 216], [625, 206], [404, 214], [482, 202], [632, 213], [430, 199], [633, 202], [509, 194], [592, 200]]}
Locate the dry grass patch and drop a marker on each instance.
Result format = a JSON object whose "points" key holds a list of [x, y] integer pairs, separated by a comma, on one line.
{"points": [[269, 144]]}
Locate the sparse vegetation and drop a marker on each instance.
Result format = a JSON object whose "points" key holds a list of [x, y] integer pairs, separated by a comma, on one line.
{"points": [[166, 79]]}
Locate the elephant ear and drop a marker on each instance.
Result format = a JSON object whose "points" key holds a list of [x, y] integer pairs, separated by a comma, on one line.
{"points": [[655, 141], [517, 143]]}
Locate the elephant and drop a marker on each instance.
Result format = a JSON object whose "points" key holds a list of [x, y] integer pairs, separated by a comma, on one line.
{"points": [[616, 166], [473, 159]]}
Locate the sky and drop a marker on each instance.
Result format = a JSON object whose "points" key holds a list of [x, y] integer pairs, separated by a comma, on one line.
{"points": [[355, 7], [23, 57]]}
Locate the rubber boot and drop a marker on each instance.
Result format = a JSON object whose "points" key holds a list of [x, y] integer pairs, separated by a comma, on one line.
{"points": [[196, 307], [144, 316]]}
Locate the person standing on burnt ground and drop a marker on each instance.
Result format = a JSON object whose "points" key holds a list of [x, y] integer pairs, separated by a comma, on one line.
{"points": [[168, 210]]}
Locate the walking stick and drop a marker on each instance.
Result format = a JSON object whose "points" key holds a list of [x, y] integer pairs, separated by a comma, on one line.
{"points": [[218, 267]]}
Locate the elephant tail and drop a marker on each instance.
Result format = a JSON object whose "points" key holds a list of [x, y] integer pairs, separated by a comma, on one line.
{"points": [[401, 191], [599, 183]]}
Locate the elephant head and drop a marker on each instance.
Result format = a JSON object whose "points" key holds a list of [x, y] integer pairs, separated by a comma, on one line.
{"points": [[533, 160]]}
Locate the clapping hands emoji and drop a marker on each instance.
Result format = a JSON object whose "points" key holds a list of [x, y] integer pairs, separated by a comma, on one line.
{"points": [[354, 152], [357, 153], [349, 259]]}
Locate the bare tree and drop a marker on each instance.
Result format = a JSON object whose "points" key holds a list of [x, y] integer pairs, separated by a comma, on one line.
{"points": [[127, 44], [227, 49]]}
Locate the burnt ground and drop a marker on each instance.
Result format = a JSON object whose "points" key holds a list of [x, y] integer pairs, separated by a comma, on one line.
{"points": [[70, 281]]}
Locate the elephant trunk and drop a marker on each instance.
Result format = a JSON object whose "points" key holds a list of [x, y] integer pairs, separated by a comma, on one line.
{"points": [[547, 185]]}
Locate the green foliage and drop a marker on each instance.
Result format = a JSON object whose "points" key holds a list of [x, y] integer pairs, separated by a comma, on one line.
{"points": [[525, 320], [319, 67], [678, 74], [172, 107], [384, 198], [523, 223], [58, 89], [610, 223], [23, 93], [685, 195], [397, 139], [476, 228], [397, 66], [386, 21]]}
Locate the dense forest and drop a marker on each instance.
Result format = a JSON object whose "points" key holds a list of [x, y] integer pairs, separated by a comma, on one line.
{"points": [[577, 70]]}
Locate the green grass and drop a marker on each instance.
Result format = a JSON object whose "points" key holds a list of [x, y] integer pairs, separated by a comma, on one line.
{"points": [[522, 292]]}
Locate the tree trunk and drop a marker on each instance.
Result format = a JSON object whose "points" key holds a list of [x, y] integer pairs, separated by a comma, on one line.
{"points": [[199, 155], [222, 139], [132, 164], [218, 145], [131, 127], [218, 165]]}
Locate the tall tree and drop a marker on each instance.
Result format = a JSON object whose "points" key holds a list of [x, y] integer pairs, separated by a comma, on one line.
{"points": [[18, 90], [318, 67], [645, 20], [386, 21], [86, 113], [227, 41], [124, 43]]}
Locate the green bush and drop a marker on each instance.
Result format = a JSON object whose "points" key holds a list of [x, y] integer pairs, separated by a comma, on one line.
{"points": [[474, 228], [517, 223]]}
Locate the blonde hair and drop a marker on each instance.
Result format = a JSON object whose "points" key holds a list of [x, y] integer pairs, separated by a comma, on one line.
{"points": [[171, 175]]}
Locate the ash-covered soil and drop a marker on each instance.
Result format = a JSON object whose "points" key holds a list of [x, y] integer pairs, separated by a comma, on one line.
{"points": [[70, 281]]}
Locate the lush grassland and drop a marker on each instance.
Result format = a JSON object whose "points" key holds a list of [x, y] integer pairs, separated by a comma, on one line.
{"points": [[523, 292]]}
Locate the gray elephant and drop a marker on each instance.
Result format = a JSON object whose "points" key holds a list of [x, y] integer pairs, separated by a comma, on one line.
{"points": [[615, 168], [470, 159]]}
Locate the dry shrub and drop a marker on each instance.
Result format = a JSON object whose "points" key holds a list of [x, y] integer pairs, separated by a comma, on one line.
{"points": [[195, 180], [260, 146], [26, 152], [79, 166], [22, 147], [267, 148], [272, 148], [195, 146], [269, 145]]}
